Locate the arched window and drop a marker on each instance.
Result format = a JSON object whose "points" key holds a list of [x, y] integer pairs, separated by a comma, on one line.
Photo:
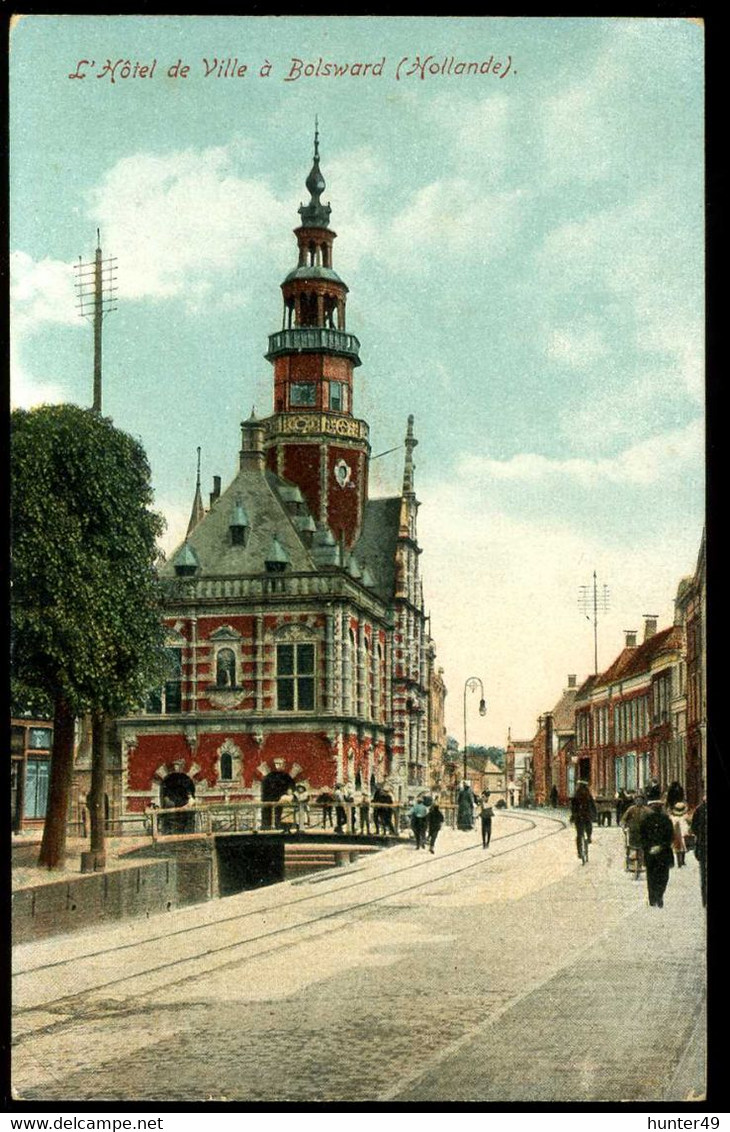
{"points": [[226, 766], [225, 668]]}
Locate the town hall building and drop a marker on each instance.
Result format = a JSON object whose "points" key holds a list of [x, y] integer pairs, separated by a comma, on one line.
{"points": [[296, 628]]}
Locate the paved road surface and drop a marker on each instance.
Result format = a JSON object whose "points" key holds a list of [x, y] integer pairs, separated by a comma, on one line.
{"points": [[514, 974]]}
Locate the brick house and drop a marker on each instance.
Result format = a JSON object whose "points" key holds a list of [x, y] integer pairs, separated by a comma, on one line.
{"points": [[623, 720]]}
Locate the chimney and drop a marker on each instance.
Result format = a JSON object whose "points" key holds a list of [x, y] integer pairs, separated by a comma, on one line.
{"points": [[215, 493], [630, 635], [252, 444], [572, 681], [650, 624]]}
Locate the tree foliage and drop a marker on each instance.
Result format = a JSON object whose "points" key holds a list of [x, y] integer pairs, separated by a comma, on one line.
{"points": [[85, 609], [86, 618]]}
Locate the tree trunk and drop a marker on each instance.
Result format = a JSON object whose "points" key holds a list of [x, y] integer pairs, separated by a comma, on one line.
{"points": [[53, 845], [97, 795]]}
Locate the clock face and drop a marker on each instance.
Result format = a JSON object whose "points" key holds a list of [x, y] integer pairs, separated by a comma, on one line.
{"points": [[342, 473]]}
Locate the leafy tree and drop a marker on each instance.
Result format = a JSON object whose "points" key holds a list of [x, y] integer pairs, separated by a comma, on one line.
{"points": [[86, 623]]}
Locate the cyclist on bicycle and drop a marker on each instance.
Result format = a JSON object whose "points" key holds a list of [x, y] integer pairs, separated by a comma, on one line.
{"points": [[582, 813]]}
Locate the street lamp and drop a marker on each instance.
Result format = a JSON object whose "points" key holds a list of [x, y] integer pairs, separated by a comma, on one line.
{"points": [[471, 685]]}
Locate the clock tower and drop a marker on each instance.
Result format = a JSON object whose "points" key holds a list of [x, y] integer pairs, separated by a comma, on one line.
{"points": [[312, 438]]}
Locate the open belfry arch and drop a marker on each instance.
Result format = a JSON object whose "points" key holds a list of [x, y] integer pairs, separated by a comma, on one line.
{"points": [[297, 632]]}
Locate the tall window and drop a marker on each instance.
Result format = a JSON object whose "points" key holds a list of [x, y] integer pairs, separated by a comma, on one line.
{"points": [[226, 766], [295, 677], [36, 787], [336, 396], [168, 698]]}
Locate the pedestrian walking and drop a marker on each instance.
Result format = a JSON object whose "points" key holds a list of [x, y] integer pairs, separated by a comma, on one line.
{"points": [[418, 815], [680, 822], [349, 799], [340, 811], [386, 812], [326, 800], [582, 813], [364, 810], [698, 826], [302, 800], [486, 814], [435, 821], [554, 797], [653, 790], [465, 807], [288, 816], [656, 832], [631, 822]]}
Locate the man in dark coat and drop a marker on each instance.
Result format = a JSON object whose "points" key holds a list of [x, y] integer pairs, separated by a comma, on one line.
{"points": [[435, 821], [698, 825], [582, 812], [655, 833]]}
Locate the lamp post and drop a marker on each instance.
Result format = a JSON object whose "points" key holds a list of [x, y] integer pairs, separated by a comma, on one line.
{"points": [[471, 685]]}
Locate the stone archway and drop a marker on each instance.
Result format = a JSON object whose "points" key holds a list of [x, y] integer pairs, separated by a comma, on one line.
{"points": [[273, 785]]}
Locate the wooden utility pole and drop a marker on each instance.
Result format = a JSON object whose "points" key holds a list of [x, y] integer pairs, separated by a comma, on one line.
{"points": [[96, 291], [591, 602]]}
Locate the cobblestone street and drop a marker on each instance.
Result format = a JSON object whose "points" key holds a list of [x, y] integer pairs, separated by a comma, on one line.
{"points": [[512, 974]]}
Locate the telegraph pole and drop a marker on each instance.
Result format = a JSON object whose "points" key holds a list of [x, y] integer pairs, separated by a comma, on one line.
{"points": [[589, 598], [96, 295]]}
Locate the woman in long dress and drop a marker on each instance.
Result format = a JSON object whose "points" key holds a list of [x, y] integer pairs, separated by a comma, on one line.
{"points": [[465, 803]]}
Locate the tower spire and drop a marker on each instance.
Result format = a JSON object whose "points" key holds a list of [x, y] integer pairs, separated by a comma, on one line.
{"points": [[315, 214], [198, 510], [409, 466]]}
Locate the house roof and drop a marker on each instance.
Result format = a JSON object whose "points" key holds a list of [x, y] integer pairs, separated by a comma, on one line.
{"points": [[376, 547], [633, 661], [258, 492], [564, 711]]}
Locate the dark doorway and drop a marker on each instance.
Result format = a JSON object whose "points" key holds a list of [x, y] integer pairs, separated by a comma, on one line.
{"points": [[584, 769], [272, 787], [176, 791], [243, 864]]}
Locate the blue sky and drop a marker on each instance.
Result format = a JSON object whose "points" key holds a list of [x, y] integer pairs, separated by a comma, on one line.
{"points": [[525, 262]]}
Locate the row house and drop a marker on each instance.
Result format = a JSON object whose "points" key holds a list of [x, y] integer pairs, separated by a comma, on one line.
{"points": [[624, 733], [298, 642], [553, 748], [690, 705], [518, 770]]}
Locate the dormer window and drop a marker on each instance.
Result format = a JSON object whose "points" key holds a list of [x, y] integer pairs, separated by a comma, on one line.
{"points": [[239, 525]]}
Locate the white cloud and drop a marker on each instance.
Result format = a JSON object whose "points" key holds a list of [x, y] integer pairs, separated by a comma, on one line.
{"points": [[41, 292], [452, 217], [180, 221], [646, 463]]}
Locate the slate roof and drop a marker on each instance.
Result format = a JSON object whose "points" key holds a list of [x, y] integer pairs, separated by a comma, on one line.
{"points": [[377, 544], [268, 518]]}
